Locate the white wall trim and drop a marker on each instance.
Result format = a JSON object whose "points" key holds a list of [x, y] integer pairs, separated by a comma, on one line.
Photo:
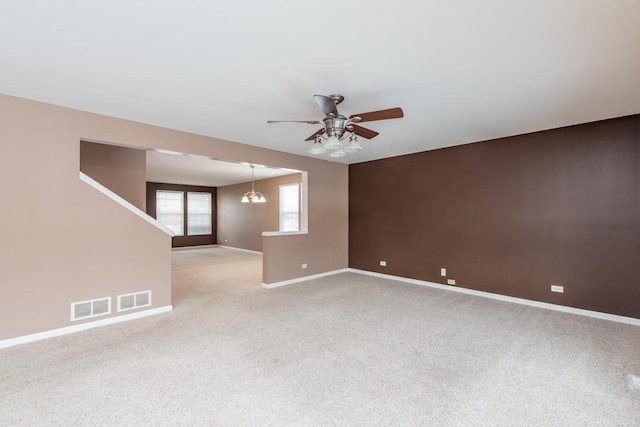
{"points": [[304, 202], [119, 200], [521, 301], [284, 233], [240, 249], [184, 248], [82, 327], [303, 279]]}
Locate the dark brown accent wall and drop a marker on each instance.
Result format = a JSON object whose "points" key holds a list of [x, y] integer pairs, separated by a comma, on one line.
{"points": [[182, 241], [510, 216]]}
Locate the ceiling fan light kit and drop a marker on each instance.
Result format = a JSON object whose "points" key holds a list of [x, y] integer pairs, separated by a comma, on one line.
{"points": [[332, 143], [353, 146], [317, 147], [335, 126], [337, 153]]}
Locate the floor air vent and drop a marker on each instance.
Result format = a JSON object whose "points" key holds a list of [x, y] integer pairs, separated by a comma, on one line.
{"points": [[634, 382], [91, 308], [135, 300]]}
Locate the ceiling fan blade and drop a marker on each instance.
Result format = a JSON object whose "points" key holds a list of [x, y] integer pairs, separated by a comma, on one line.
{"points": [[312, 137], [327, 105], [311, 122], [391, 113], [364, 132]]}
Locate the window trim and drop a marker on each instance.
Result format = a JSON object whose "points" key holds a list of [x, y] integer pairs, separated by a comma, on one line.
{"points": [[280, 210], [182, 213], [304, 211], [210, 195]]}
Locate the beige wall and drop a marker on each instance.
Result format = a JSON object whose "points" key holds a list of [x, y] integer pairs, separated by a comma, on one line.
{"points": [[328, 204], [66, 242], [241, 224], [122, 170]]}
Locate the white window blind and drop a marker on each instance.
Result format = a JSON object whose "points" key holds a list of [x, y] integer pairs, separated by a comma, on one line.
{"points": [[198, 213], [170, 210], [289, 207]]}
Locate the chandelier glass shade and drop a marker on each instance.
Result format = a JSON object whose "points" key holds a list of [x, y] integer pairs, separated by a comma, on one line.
{"points": [[253, 196]]}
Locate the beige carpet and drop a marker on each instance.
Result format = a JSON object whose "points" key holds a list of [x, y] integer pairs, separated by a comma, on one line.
{"points": [[343, 350]]}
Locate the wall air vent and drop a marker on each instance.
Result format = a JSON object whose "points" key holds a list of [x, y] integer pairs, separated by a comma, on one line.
{"points": [[92, 308], [135, 300]]}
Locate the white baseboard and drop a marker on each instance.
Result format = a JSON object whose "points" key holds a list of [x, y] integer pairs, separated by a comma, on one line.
{"points": [[183, 248], [240, 249], [82, 327], [522, 301], [303, 279], [112, 320]]}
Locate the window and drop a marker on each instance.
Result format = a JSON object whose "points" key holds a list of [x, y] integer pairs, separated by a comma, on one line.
{"points": [[198, 213], [289, 207], [170, 210]]}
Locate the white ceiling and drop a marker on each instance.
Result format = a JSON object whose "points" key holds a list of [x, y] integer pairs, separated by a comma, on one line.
{"points": [[463, 71], [198, 170]]}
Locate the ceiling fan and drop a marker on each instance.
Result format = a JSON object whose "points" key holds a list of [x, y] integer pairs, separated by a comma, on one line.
{"points": [[335, 126]]}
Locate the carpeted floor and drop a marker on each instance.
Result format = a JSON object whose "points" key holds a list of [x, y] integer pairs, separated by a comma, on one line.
{"points": [[348, 349]]}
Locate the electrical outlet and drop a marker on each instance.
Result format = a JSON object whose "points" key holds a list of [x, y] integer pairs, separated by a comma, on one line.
{"points": [[451, 282], [225, 240], [304, 266], [383, 263], [443, 272], [557, 288]]}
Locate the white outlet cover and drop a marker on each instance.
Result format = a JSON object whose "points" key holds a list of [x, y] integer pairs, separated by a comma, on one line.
{"points": [[443, 272], [383, 263], [557, 288], [304, 265]]}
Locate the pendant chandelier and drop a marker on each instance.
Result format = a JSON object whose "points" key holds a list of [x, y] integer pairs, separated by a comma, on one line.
{"points": [[253, 196]]}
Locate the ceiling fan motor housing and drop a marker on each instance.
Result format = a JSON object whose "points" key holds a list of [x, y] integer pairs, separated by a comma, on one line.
{"points": [[335, 126]]}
